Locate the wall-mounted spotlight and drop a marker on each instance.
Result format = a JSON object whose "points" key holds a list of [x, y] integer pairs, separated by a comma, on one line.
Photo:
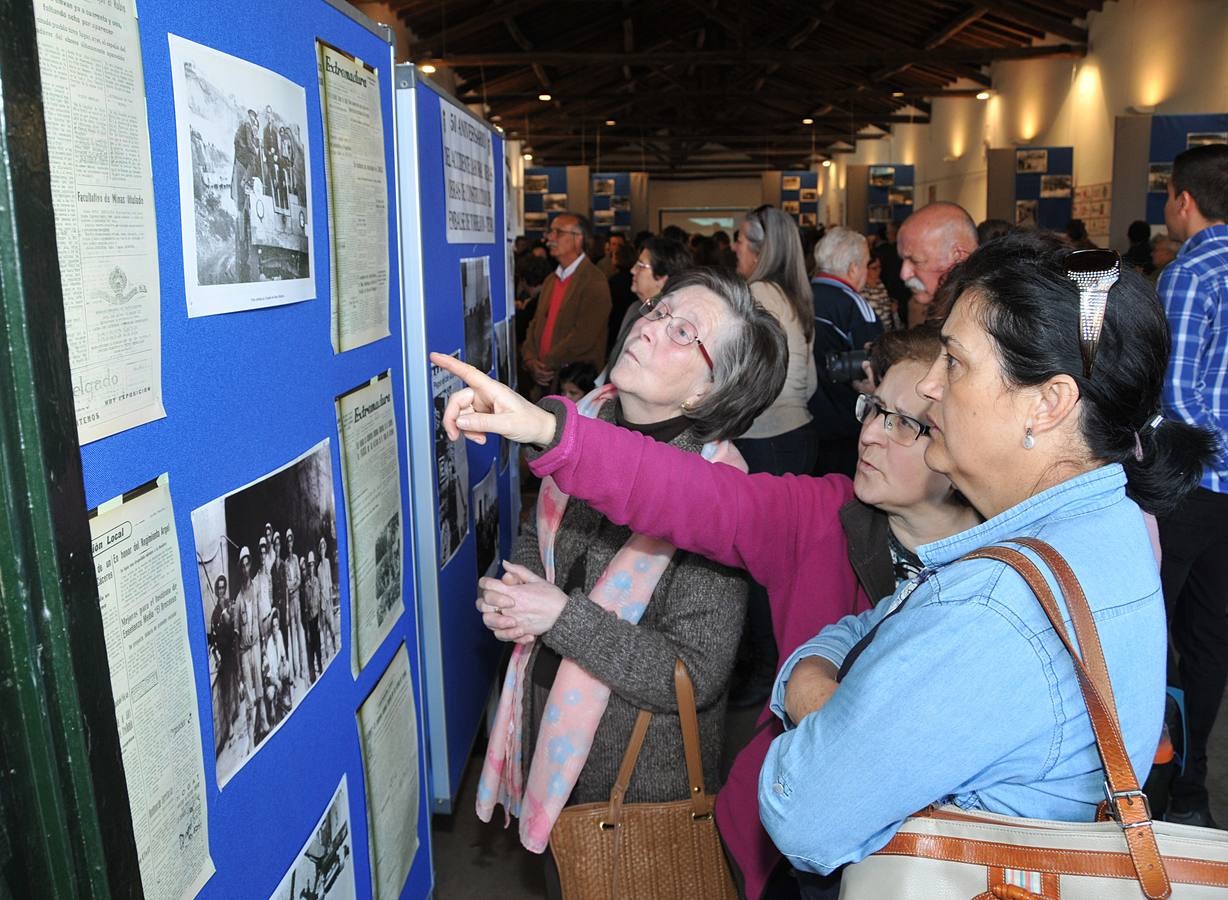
{"points": [[544, 98], [982, 95], [827, 164], [528, 157], [807, 121], [426, 69], [610, 123]]}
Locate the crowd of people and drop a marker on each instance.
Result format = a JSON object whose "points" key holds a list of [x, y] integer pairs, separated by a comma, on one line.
{"points": [[801, 449]]}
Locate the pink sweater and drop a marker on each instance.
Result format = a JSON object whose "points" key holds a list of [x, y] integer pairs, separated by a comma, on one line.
{"points": [[784, 530]]}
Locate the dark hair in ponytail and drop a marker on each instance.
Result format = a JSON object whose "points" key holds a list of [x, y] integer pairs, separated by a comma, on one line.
{"points": [[1031, 310]]}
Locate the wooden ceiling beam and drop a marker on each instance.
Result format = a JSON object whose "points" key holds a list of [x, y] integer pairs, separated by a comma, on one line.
{"points": [[468, 26]]}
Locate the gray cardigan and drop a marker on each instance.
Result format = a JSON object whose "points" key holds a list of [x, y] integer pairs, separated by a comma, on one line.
{"points": [[695, 615]]}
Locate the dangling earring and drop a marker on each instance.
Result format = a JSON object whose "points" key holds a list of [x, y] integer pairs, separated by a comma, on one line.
{"points": [[1028, 441]]}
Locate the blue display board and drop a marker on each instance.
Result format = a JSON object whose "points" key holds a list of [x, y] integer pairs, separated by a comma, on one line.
{"points": [[460, 656], [611, 195], [246, 393], [799, 196], [889, 193], [543, 187], [1171, 135], [1044, 186]]}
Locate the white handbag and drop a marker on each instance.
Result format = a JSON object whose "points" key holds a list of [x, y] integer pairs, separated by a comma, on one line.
{"points": [[946, 852]]}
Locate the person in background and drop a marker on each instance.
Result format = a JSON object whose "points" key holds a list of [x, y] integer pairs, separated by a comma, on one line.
{"points": [[576, 380], [609, 263], [660, 260], [810, 239], [933, 240], [888, 251], [783, 438], [992, 229], [573, 314], [875, 292], [622, 294], [1139, 254], [844, 323], [1163, 251], [1194, 289], [675, 233], [703, 252], [599, 253], [1077, 232], [724, 251]]}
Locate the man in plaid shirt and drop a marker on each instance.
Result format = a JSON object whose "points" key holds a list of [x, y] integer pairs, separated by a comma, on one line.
{"points": [[1194, 290]]}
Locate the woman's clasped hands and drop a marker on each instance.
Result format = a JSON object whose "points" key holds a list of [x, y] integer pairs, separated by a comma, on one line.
{"points": [[519, 606]]}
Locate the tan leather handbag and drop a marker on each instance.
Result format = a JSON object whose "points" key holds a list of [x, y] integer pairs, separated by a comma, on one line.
{"points": [[947, 852], [636, 851]]}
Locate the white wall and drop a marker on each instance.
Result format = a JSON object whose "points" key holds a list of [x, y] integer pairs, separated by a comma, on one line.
{"points": [[1168, 54]]}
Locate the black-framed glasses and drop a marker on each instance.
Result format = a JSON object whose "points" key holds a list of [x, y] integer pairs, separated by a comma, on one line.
{"points": [[904, 430], [681, 331], [1094, 273]]}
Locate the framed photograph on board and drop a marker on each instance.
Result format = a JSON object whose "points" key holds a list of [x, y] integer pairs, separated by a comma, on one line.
{"points": [[1025, 213], [1055, 185], [1032, 161], [882, 176], [536, 184], [790, 182]]}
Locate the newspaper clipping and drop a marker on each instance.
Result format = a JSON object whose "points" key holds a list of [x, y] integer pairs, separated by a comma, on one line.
{"points": [[357, 198], [388, 730], [452, 467], [102, 191], [324, 868], [370, 459], [270, 596], [140, 591], [468, 176], [244, 182]]}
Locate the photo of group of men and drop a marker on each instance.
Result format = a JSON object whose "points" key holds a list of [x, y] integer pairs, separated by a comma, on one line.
{"points": [[272, 601]]}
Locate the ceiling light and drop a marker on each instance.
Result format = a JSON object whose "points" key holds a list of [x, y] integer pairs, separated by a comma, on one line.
{"points": [[426, 69], [528, 157], [544, 98], [807, 121], [897, 94], [610, 122], [983, 95], [827, 164]]}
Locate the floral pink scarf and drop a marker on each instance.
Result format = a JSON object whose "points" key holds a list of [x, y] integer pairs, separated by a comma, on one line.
{"points": [[577, 700]]}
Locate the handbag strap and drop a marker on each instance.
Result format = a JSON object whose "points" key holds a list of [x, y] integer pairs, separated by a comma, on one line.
{"points": [[1127, 802], [701, 802]]}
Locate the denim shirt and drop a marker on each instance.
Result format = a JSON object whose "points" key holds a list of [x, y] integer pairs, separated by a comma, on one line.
{"points": [[966, 695]]}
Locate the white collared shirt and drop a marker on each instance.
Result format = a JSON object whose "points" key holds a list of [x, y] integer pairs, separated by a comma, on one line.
{"points": [[564, 274]]}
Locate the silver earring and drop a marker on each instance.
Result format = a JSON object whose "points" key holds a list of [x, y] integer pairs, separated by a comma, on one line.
{"points": [[1028, 441]]}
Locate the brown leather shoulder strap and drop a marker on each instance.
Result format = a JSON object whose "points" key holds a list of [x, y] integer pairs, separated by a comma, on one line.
{"points": [[689, 720], [1130, 804], [627, 766]]}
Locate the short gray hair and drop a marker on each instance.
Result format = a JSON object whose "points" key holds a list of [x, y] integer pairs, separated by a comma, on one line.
{"points": [[840, 249], [749, 366]]}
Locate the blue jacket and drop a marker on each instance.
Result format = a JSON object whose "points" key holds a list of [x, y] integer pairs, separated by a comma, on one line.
{"points": [[966, 695]]}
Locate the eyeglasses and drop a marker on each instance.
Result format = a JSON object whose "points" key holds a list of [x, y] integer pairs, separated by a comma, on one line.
{"points": [[1094, 273], [680, 330], [558, 231], [904, 430]]}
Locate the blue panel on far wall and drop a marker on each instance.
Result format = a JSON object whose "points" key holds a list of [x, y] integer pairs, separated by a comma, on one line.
{"points": [[804, 212], [1034, 167], [1171, 135], [554, 180], [605, 187]]}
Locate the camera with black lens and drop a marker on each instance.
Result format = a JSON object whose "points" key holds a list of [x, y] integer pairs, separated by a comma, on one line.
{"points": [[844, 366]]}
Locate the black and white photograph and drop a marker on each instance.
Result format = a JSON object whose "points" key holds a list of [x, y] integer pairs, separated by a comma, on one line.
{"points": [[603, 218], [1202, 138], [879, 213], [486, 522], [388, 568], [509, 342], [809, 195], [244, 182], [1032, 161], [536, 184], [479, 326], [266, 555], [882, 176], [808, 220], [792, 207], [555, 203], [452, 468], [535, 221], [1025, 213], [503, 360], [324, 868], [790, 183], [603, 187], [900, 196], [1056, 185], [1158, 175], [620, 203]]}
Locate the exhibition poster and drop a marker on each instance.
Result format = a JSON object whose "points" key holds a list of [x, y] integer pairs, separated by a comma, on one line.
{"points": [[357, 198], [486, 522], [244, 182], [371, 478], [469, 177], [102, 193], [266, 556], [452, 468], [324, 868], [388, 730], [145, 627], [479, 324]]}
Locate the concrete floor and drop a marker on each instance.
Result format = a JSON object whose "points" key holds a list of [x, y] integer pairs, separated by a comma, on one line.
{"points": [[479, 861]]}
